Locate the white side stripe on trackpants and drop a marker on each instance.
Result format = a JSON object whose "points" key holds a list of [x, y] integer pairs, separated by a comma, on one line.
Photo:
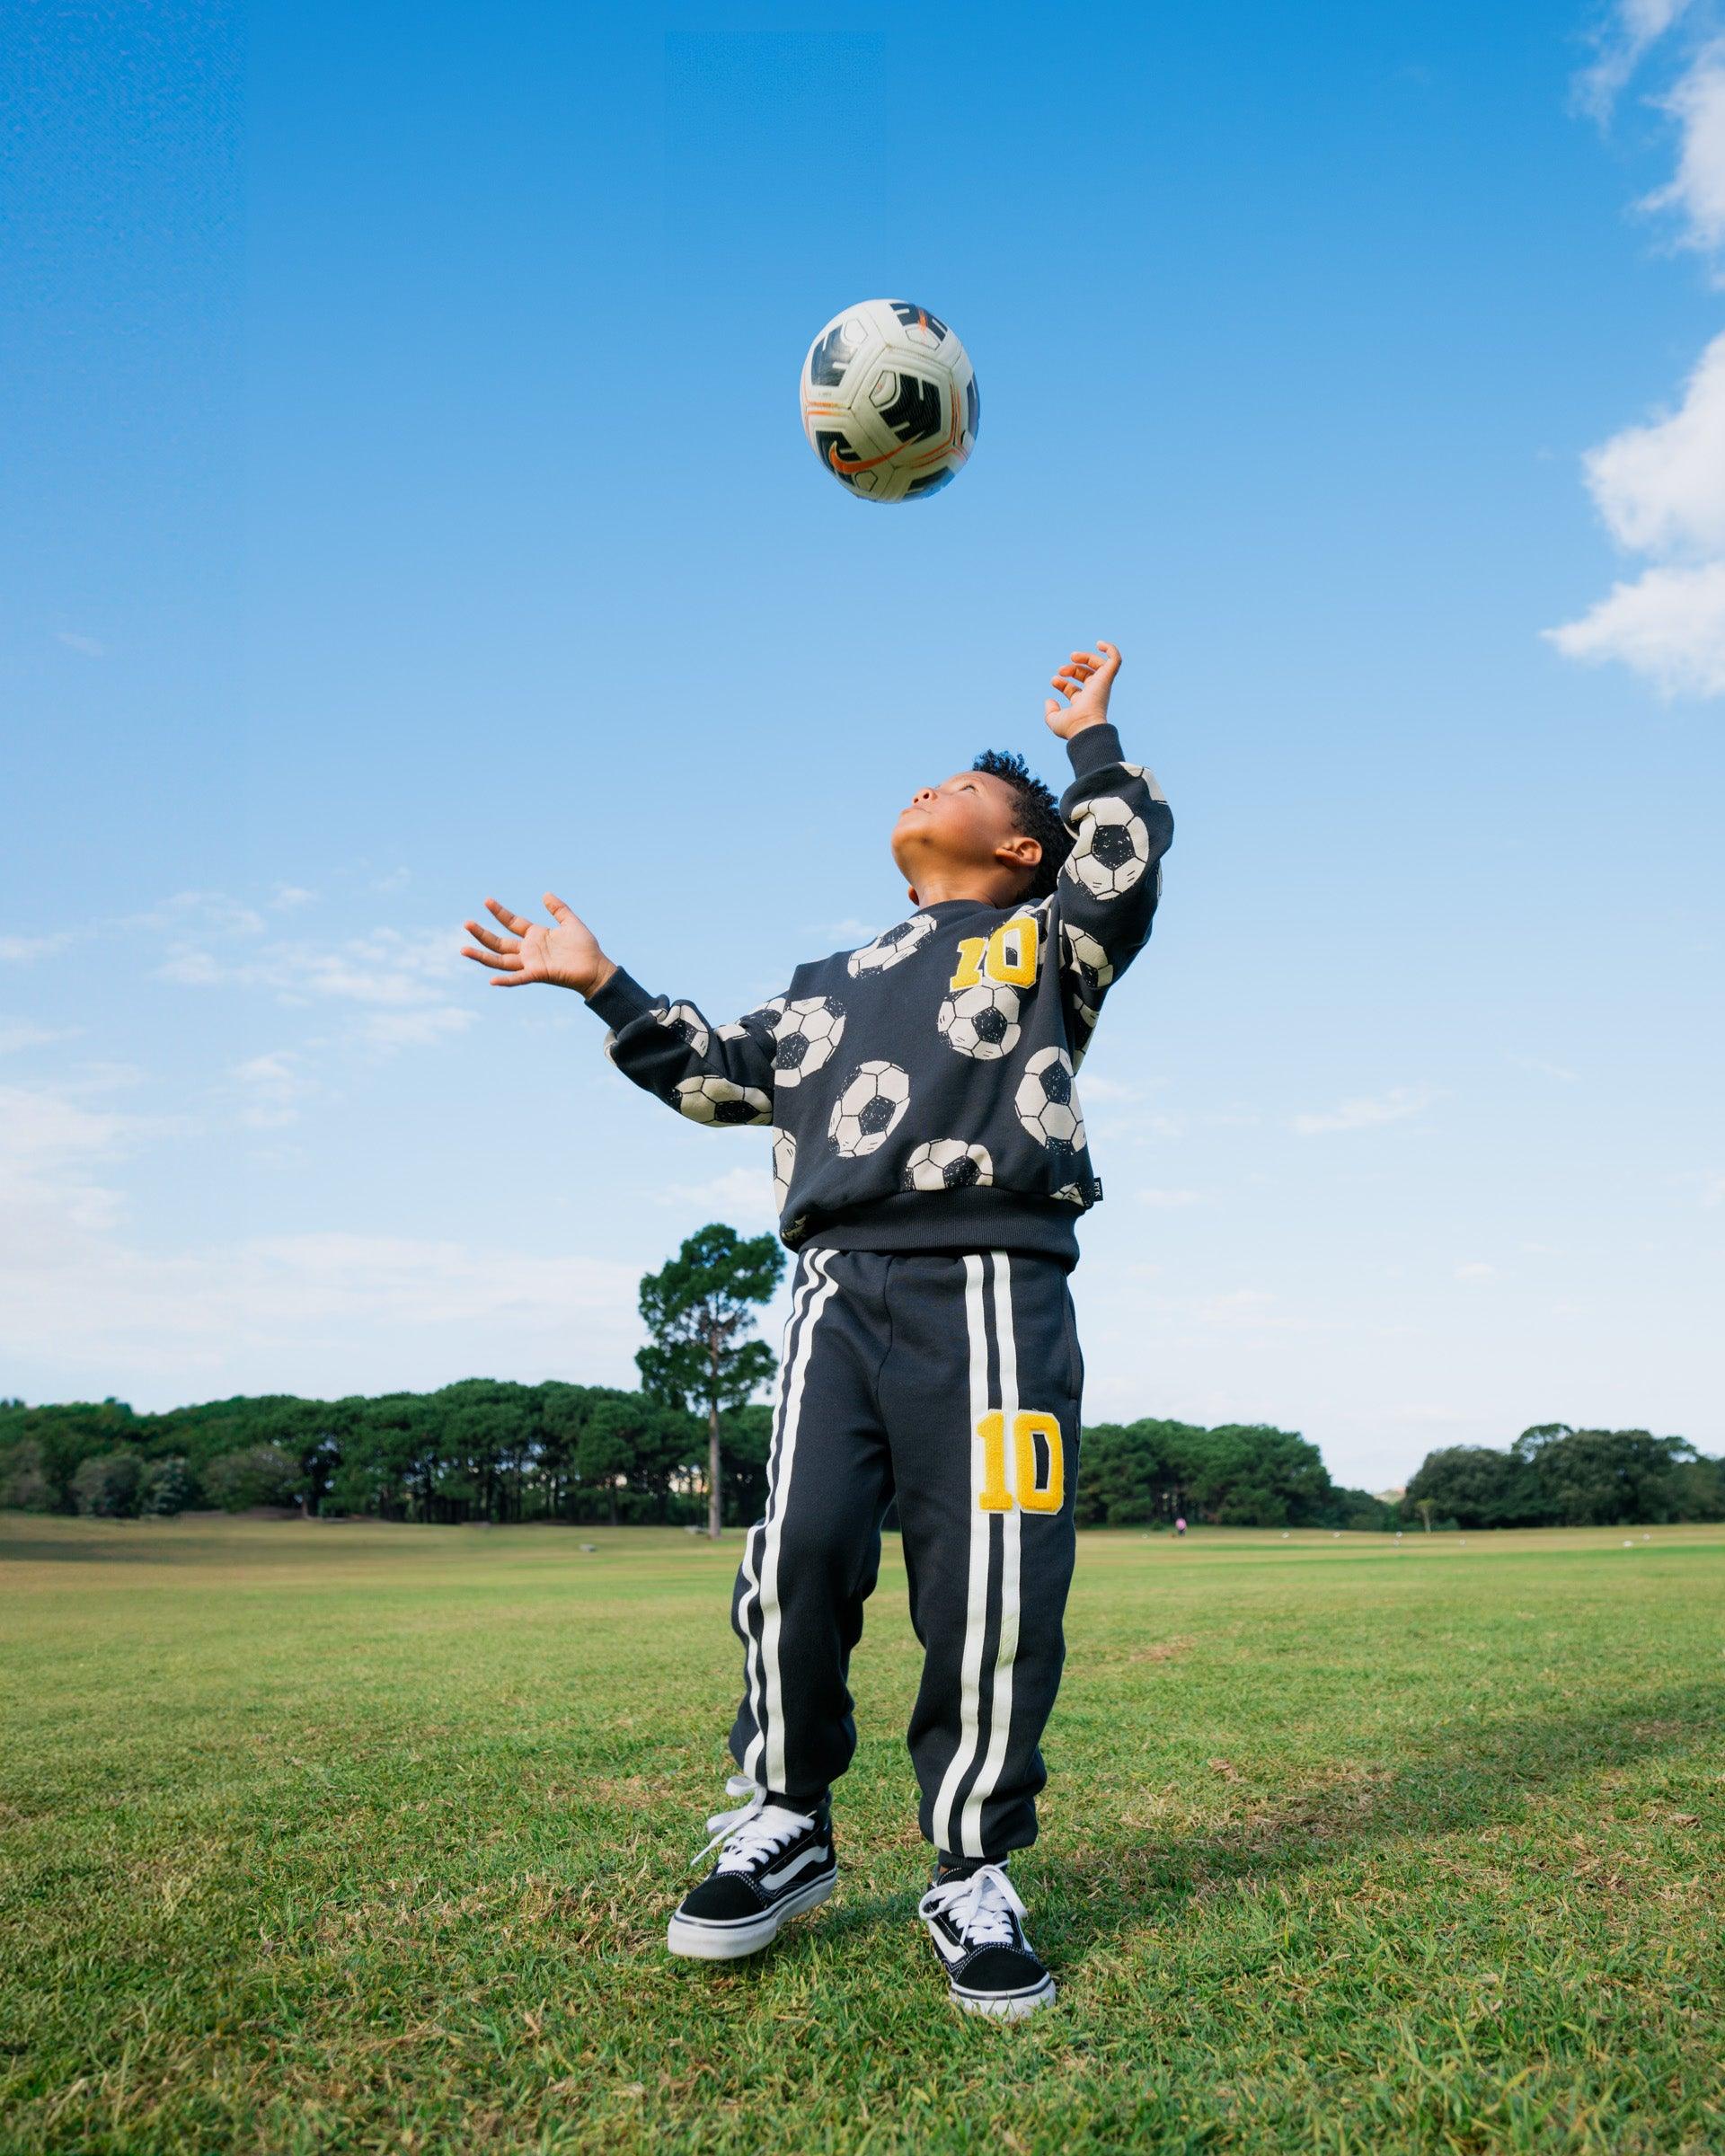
{"points": [[1000, 1703], [765, 1756], [969, 1840]]}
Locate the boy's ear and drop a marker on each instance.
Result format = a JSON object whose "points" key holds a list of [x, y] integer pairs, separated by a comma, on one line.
{"points": [[1020, 851]]}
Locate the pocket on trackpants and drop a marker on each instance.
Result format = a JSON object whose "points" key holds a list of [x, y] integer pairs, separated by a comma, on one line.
{"points": [[1075, 1353]]}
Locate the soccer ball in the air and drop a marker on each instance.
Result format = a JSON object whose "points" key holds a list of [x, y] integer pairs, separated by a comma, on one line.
{"points": [[712, 1100], [807, 1036], [890, 946], [889, 401], [875, 1096], [1047, 1105], [947, 1164], [981, 1021], [1113, 848]]}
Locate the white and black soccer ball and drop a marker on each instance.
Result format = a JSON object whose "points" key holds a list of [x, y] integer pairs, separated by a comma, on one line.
{"points": [[687, 1022], [892, 946], [981, 1021], [807, 1034], [1047, 1102], [948, 1164], [784, 1165], [1089, 966], [1090, 970], [710, 1099], [1113, 848], [875, 1097], [771, 1011], [889, 401]]}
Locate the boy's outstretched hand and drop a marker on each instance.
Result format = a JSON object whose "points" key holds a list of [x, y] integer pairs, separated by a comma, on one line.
{"points": [[1084, 681], [566, 954]]}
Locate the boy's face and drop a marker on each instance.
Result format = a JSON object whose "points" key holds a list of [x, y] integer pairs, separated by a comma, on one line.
{"points": [[962, 827]]}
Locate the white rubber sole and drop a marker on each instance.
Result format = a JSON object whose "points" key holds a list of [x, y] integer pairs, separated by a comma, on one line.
{"points": [[731, 1942], [1011, 2007]]}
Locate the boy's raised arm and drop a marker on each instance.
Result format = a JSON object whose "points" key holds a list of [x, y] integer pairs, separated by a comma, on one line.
{"points": [[1112, 879], [717, 1075]]}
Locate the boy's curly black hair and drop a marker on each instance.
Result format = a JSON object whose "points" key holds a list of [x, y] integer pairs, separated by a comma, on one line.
{"points": [[1035, 812]]}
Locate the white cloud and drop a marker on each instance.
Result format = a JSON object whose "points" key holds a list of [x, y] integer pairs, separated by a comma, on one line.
{"points": [[1670, 625], [1368, 1113], [328, 1310], [18, 1033], [49, 1148], [398, 979], [23, 950], [1477, 1270], [390, 968], [417, 1029], [1661, 488], [270, 1089], [1100, 1088], [1244, 1309], [290, 894], [86, 647], [1628, 31], [740, 1194], [843, 934], [210, 913], [1170, 1197], [1697, 192], [1537, 1064]]}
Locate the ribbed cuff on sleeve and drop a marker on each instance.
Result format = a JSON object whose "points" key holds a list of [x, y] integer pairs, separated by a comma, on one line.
{"points": [[1093, 747], [621, 999]]}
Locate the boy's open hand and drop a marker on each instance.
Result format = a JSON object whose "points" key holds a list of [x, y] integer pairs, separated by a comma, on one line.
{"points": [[566, 954], [1084, 681]]}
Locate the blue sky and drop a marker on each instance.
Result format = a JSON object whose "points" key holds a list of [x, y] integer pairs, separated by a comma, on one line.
{"points": [[409, 504]]}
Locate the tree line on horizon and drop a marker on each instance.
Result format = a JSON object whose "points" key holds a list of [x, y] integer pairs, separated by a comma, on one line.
{"points": [[691, 1448], [1555, 1476], [495, 1451]]}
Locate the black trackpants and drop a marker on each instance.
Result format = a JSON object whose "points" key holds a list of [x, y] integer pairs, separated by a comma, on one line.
{"points": [[951, 1381]]}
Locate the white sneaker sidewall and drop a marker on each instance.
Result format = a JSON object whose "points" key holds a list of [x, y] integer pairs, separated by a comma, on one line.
{"points": [[705, 1942]]}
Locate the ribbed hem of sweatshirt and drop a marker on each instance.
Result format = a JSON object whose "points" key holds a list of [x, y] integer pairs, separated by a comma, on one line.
{"points": [[621, 999], [978, 1219], [1094, 747]]}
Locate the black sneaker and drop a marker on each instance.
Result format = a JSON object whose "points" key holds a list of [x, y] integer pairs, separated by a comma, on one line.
{"points": [[774, 1862], [973, 1916]]}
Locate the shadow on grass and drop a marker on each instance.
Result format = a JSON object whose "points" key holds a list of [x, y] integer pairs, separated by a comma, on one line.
{"points": [[1478, 1779], [156, 1542], [42, 1549], [1475, 1779]]}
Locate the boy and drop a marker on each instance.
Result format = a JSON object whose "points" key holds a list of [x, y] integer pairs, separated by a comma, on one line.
{"points": [[930, 1164]]}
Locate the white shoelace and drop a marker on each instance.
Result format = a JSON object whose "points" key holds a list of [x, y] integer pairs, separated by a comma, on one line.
{"points": [[982, 1906], [754, 1830]]}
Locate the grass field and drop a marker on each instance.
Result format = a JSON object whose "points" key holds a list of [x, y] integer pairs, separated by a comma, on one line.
{"points": [[356, 1837]]}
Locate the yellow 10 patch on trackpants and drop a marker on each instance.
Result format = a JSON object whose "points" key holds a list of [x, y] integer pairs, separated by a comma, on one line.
{"points": [[951, 1381]]}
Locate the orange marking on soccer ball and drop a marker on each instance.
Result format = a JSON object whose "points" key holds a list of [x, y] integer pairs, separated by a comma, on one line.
{"points": [[862, 463]]}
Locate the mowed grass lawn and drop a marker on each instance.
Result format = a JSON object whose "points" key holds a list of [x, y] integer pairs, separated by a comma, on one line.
{"points": [[358, 1837]]}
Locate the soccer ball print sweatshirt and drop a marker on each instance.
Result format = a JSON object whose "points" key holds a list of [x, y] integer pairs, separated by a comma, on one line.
{"points": [[921, 1090]]}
